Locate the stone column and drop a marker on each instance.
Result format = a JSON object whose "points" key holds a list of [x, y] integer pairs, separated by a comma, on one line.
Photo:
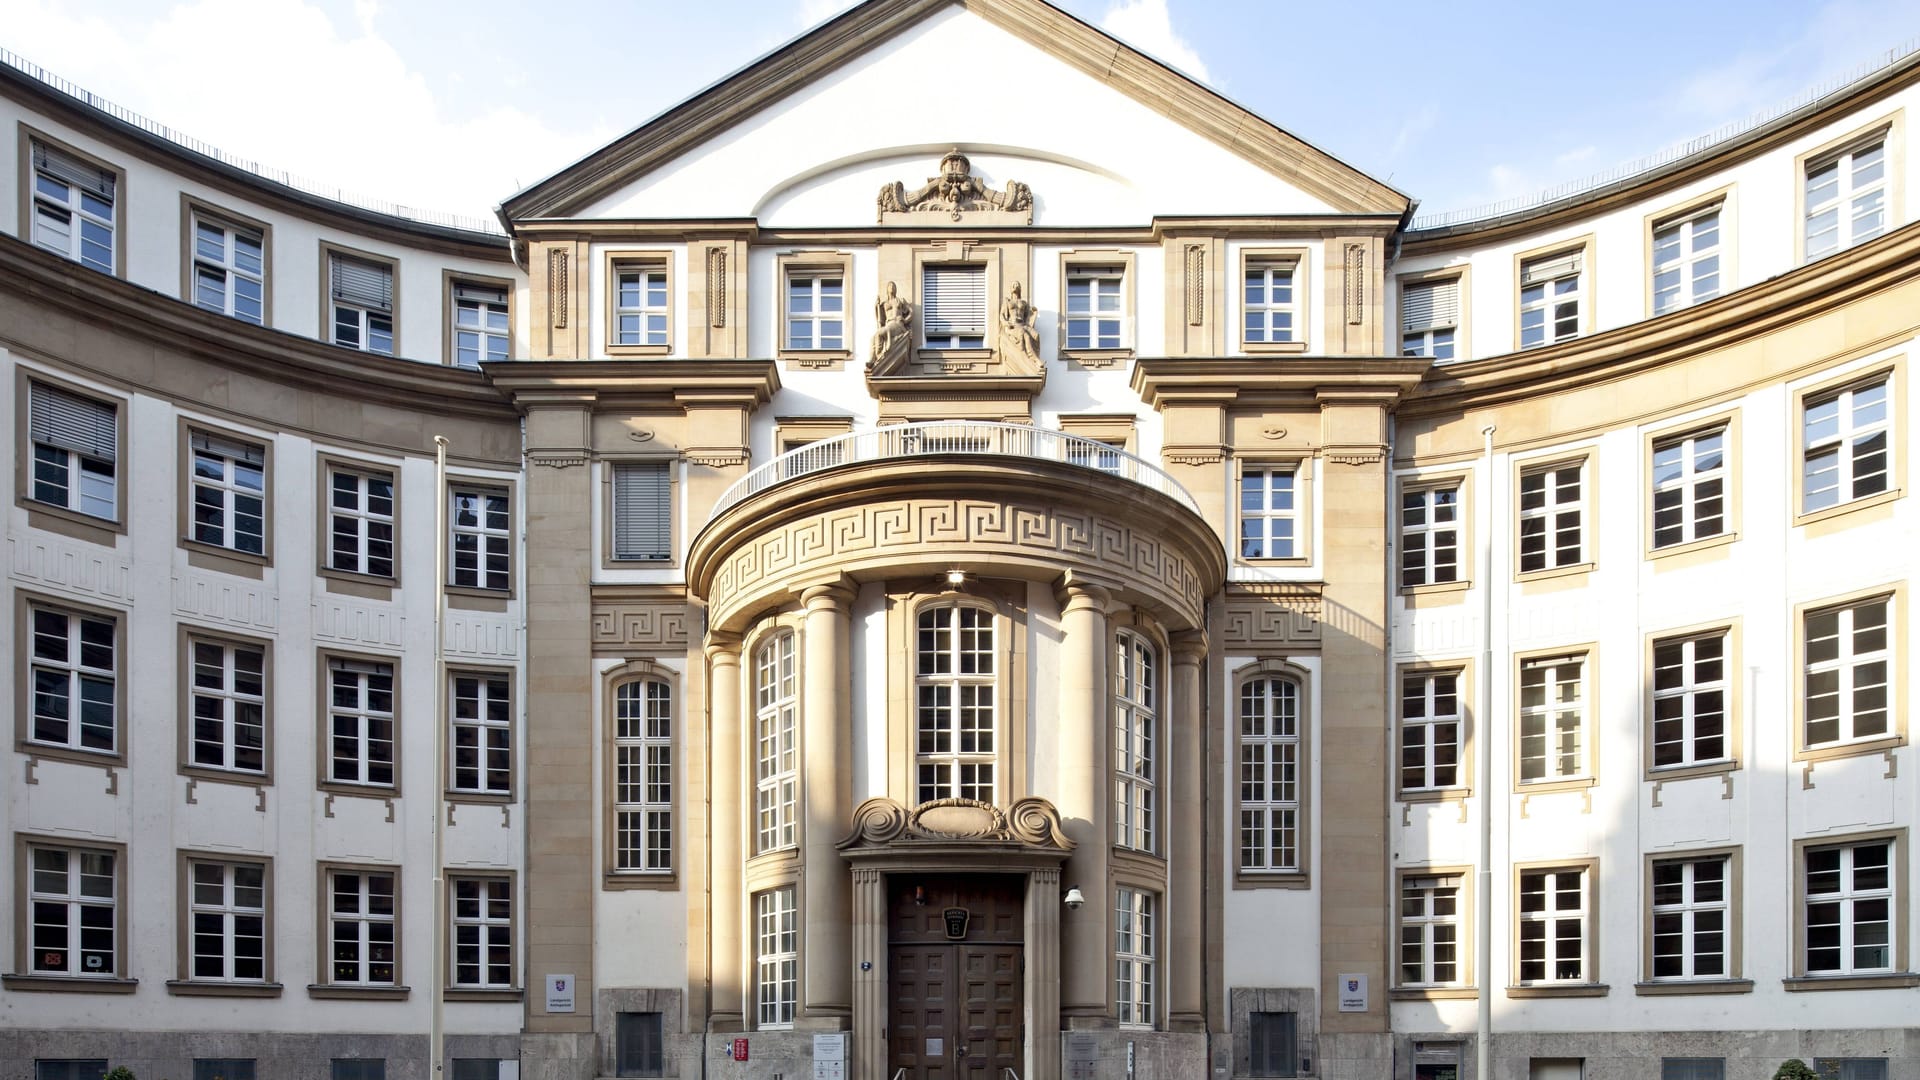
{"points": [[725, 1013], [1043, 973], [870, 917], [1186, 837], [1085, 795], [826, 742]]}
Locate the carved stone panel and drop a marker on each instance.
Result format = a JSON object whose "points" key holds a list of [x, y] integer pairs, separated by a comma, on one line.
{"points": [[1263, 615], [624, 625], [955, 195]]}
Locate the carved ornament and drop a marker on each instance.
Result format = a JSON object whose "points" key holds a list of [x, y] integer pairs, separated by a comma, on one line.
{"points": [[1261, 616], [622, 625], [558, 299], [557, 459], [956, 191], [1029, 822]]}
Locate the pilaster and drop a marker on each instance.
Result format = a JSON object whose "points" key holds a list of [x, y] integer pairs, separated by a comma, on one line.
{"points": [[1086, 942], [1187, 839], [827, 750], [726, 1010]]}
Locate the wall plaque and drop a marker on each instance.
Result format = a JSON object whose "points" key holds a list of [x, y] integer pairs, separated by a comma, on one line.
{"points": [[956, 918]]}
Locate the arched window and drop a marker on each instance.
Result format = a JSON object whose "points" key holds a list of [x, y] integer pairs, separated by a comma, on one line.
{"points": [[776, 701], [1136, 705], [956, 713], [1269, 756], [643, 777]]}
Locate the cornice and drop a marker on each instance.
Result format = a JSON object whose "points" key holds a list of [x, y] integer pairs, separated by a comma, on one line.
{"points": [[672, 382], [1248, 226], [1228, 380]]}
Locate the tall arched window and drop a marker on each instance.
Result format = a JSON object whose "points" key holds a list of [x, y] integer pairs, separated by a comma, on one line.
{"points": [[776, 702], [956, 714], [643, 777], [1269, 754], [1136, 705]]}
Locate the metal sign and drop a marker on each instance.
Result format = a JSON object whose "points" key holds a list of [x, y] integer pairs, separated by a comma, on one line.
{"points": [[559, 993], [1353, 993], [957, 918]]}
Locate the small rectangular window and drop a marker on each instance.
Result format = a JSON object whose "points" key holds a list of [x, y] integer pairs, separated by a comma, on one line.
{"points": [[73, 207], [1693, 1069], [1270, 313], [816, 310], [359, 1069], [361, 292], [229, 269], [476, 1069], [481, 537], [1690, 487], [1686, 260], [1430, 536], [76, 451], [1273, 1044], [1851, 1068], [1845, 438], [953, 303], [360, 517], [229, 493], [1096, 307], [1690, 701], [638, 1049], [1552, 517], [643, 511], [641, 315], [1845, 197], [1550, 299], [480, 329], [1429, 318], [70, 1068], [1269, 512]]}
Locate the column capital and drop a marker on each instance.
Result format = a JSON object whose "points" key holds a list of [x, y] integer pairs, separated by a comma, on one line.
{"points": [[723, 648], [1079, 595], [835, 595], [1188, 646]]}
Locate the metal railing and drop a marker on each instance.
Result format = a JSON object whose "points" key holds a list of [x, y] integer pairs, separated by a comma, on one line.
{"points": [[985, 438]]}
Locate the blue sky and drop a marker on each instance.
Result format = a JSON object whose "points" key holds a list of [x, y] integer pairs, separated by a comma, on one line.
{"points": [[455, 104]]}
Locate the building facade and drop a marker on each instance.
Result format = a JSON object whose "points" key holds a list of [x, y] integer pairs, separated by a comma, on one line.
{"points": [[961, 594]]}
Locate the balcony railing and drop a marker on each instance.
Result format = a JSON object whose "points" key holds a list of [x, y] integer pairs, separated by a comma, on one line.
{"points": [[902, 441]]}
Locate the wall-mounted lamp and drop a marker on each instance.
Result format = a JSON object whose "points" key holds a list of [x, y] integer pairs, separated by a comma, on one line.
{"points": [[920, 896], [1074, 899], [956, 578]]}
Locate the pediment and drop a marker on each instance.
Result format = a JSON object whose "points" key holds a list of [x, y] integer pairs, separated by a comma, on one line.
{"points": [[1031, 823]]}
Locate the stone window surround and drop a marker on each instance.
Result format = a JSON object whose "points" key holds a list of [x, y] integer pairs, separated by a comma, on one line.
{"points": [[24, 605], [1902, 975], [1733, 981], [1280, 667], [1889, 128], [29, 136], [366, 586], [323, 680], [328, 252], [475, 597], [1719, 199], [323, 985], [188, 636], [456, 669], [821, 263], [194, 210], [1896, 596], [1590, 916], [217, 556], [516, 935], [1464, 941], [1587, 458], [450, 278], [781, 860], [1582, 246], [1463, 331], [1893, 371], [1300, 257], [1306, 522], [613, 262], [1735, 702], [604, 468], [120, 982], [185, 985], [905, 601], [1588, 655], [1465, 690], [1086, 258], [1726, 419], [1466, 557]]}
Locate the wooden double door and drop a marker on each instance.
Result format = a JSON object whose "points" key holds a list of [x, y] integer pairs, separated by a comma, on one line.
{"points": [[957, 1000]]}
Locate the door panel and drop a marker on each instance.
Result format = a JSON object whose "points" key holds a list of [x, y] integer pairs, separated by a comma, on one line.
{"points": [[920, 979], [956, 1011]]}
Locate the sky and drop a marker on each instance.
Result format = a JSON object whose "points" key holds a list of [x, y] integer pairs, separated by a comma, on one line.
{"points": [[453, 105]]}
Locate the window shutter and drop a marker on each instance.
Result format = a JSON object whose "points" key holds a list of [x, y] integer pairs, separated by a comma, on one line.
{"points": [[64, 166], [1549, 269], [233, 451], [954, 300], [362, 284], [71, 422], [1425, 305], [358, 667], [482, 294], [642, 511]]}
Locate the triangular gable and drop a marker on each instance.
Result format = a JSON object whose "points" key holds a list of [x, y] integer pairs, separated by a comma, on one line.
{"points": [[791, 69]]}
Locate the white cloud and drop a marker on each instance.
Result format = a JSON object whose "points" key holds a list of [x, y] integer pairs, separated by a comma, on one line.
{"points": [[1146, 25], [1833, 43], [815, 12]]}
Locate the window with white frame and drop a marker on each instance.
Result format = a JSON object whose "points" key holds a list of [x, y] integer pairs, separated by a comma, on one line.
{"points": [[776, 701], [1135, 733], [360, 521], [1848, 656], [1269, 512], [641, 313], [363, 922], [1430, 920], [74, 667], [1096, 307], [1553, 719], [776, 957], [643, 777], [361, 294], [76, 451], [1429, 318], [1844, 437], [1849, 894], [1846, 197], [482, 734], [1430, 535], [953, 305], [1689, 487], [643, 511], [1691, 918], [481, 333], [229, 493], [1550, 299], [73, 911], [229, 270], [1686, 260], [482, 933], [1430, 727], [229, 703], [1552, 513], [816, 309], [73, 207], [1553, 926], [956, 711], [1270, 312], [1270, 763], [227, 906], [1690, 701], [360, 703], [1135, 956], [481, 537]]}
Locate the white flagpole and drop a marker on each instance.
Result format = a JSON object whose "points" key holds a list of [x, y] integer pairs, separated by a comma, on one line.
{"points": [[436, 1031]]}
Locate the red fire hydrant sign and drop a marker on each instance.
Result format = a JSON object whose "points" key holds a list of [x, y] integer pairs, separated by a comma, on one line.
{"points": [[739, 1051]]}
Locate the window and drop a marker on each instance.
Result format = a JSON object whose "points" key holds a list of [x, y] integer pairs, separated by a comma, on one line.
{"points": [[1550, 298], [360, 722], [474, 1068], [1553, 926], [481, 332], [640, 307], [70, 1068], [776, 703], [1430, 922], [1848, 652], [1135, 717], [363, 923], [75, 673], [1270, 314], [1690, 701], [362, 303], [1273, 1042], [482, 538], [73, 905], [1844, 445], [359, 1069], [1692, 928], [1096, 307], [1553, 720], [482, 735], [482, 933], [1430, 731], [230, 269], [1689, 487], [1551, 511], [637, 1042], [229, 494], [1845, 197], [1270, 796], [1848, 908], [227, 906], [1269, 514], [1135, 946], [1092, 455], [776, 957], [223, 1069], [1430, 536], [643, 776], [73, 207], [1686, 260], [1429, 318], [953, 306], [643, 511], [1851, 1068], [360, 522], [228, 704], [816, 309], [76, 450], [1693, 1069], [956, 711]]}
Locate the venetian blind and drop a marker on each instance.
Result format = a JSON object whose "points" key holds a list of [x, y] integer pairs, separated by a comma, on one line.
{"points": [[642, 511], [71, 422]]}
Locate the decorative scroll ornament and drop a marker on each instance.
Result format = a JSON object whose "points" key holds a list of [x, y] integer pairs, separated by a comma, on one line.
{"points": [[954, 192], [1031, 822]]}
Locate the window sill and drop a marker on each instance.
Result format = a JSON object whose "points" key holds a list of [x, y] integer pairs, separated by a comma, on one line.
{"points": [[1456, 794], [480, 798], [816, 359], [1663, 774], [1896, 980], [1272, 348], [206, 775], [68, 984], [1428, 588], [504, 993], [225, 560], [1656, 555], [331, 992], [1865, 502], [337, 789], [1096, 359], [953, 356], [469, 599], [364, 586], [1864, 748], [660, 880], [1433, 993], [72, 523], [1553, 572], [1569, 990], [1700, 986], [190, 988], [1546, 787], [100, 759], [1274, 879], [638, 350]]}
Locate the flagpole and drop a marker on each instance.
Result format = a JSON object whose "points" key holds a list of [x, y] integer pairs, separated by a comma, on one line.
{"points": [[436, 1030]]}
